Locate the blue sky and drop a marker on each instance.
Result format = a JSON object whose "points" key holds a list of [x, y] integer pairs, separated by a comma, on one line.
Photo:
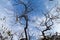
{"points": [[9, 10], [39, 7]]}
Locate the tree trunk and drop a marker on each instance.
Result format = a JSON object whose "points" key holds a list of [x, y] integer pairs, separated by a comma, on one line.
{"points": [[25, 29]]}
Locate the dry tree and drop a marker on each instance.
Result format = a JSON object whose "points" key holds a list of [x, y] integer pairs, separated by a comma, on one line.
{"points": [[27, 9], [47, 25], [49, 21]]}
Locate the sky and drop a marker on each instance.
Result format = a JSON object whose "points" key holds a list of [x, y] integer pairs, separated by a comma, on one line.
{"points": [[9, 11]]}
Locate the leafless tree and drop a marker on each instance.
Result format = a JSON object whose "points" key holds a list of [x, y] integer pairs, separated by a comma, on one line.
{"points": [[48, 27], [48, 22], [24, 15]]}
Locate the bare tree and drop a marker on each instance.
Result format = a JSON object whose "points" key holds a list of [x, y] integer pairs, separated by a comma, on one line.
{"points": [[27, 9], [48, 26], [48, 22]]}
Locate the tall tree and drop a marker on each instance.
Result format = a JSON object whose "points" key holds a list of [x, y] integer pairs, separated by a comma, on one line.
{"points": [[27, 8]]}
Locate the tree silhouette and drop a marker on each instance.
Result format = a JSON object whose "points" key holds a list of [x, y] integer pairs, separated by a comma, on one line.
{"points": [[24, 15]]}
